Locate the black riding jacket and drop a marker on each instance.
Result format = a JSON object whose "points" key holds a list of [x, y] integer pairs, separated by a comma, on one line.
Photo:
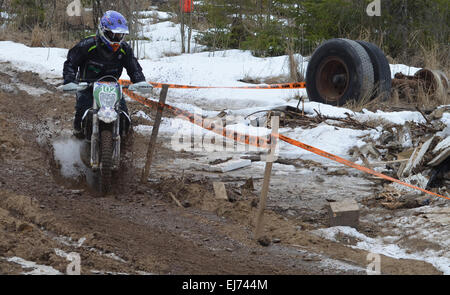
{"points": [[90, 60]]}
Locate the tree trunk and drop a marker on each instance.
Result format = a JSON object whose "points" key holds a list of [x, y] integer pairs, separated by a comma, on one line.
{"points": [[190, 32], [183, 46]]}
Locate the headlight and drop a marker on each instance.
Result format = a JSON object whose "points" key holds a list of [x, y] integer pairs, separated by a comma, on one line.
{"points": [[107, 115]]}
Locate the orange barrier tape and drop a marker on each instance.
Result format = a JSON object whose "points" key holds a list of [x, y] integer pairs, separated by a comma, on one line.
{"points": [[351, 164], [298, 85], [264, 142], [206, 124]]}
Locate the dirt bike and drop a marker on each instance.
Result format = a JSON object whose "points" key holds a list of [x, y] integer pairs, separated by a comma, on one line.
{"points": [[103, 127]]}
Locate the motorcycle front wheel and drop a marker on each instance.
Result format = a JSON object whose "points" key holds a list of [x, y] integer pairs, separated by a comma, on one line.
{"points": [[106, 149]]}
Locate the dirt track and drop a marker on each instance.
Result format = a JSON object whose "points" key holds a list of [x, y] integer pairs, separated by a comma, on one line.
{"points": [[138, 229]]}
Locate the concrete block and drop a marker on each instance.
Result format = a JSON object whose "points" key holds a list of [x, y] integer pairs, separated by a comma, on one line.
{"points": [[344, 213], [220, 191]]}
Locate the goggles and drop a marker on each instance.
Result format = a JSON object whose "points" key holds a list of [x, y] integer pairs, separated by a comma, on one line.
{"points": [[114, 37]]}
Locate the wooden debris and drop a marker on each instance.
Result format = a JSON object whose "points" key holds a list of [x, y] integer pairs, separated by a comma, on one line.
{"points": [[175, 199], [440, 157], [362, 157], [344, 213], [416, 158]]}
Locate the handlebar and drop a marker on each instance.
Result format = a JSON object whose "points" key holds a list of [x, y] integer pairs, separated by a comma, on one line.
{"points": [[83, 86]]}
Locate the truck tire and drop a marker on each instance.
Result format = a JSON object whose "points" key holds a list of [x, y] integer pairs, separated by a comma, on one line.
{"points": [[381, 70], [339, 70]]}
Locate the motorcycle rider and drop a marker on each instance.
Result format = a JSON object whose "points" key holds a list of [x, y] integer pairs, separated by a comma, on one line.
{"points": [[103, 54]]}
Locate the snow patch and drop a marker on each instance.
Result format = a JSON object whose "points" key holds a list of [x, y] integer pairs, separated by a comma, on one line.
{"points": [[37, 269], [32, 90], [385, 246]]}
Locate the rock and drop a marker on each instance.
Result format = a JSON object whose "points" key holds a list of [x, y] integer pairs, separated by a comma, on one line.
{"points": [[24, 227], [264, 241], [319, 179], [276, 241], [254, 203]]}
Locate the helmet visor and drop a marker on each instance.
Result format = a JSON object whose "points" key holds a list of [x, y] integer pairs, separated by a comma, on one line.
{"points": [[114, 37]]}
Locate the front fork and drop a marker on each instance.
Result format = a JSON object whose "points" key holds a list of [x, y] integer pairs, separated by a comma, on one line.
{"points": [[116, 144], [95, 143]]}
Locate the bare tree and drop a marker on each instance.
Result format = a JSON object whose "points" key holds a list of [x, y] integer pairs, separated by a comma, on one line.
{"points": [[182, 31]]}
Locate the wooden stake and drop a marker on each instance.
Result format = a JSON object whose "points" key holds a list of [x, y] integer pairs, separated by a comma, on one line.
{"points": [[263, 200], [267, 173], [151, 146], [303, 106], [175, 200]]}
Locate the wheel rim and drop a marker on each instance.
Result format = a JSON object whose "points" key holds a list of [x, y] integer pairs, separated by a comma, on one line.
{"points": [[332, 78]]}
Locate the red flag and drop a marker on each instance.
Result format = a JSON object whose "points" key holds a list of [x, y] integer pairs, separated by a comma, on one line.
{"points": [[187, 6]]}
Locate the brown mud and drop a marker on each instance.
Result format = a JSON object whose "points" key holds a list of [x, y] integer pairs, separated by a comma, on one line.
{"points": [[138, 228]]}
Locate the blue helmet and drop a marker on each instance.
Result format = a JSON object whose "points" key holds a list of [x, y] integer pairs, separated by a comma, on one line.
{"points": [[112, 29]]}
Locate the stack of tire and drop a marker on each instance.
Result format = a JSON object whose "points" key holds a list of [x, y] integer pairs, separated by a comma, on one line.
{"points": [[341, 70]]}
